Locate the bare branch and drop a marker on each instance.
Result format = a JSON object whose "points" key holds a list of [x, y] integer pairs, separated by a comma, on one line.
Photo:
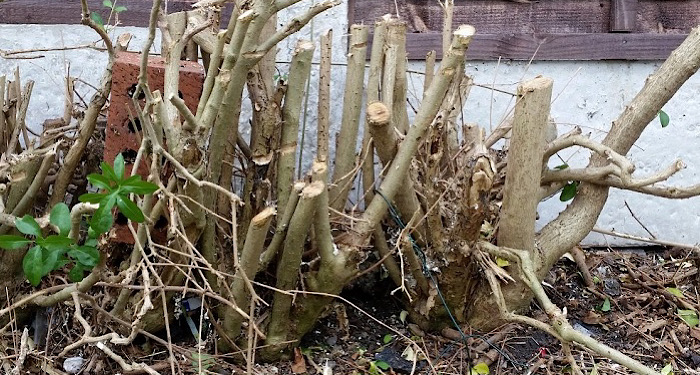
{"points": [[294, 25]]}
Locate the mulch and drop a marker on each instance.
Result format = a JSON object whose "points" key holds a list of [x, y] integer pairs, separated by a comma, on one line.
{"points": [[640, 302]]}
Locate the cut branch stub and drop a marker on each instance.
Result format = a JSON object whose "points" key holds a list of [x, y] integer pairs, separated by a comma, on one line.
{"points": [[521, 191], [385, 139], [379, 119], [247, 268]]}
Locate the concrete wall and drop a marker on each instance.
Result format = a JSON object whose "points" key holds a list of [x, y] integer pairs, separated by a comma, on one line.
{"points": [[588, 94]]}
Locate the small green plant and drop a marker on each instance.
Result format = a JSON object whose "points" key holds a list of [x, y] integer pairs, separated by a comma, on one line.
{"points": [[53, 252], [113, 9], [116, 189], [378, 367], [480, 368]]}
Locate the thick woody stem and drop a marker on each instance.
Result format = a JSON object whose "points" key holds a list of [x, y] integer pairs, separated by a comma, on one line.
{"points": [[298, 75], [247, 268], [430, 58], [520, 197], [346, 142], [394, 75], [448, 15], [386, 141], [324, 97], [322, 226], [372, 92], [288, 266]]}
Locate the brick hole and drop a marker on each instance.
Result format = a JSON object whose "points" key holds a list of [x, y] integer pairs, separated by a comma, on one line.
{"points": [[161, 223], [129, 156], [121, 219], [132, 89], [134, 126], [179, 94]]}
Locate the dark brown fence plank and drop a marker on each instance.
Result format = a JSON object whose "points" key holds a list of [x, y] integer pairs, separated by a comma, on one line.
{"points": [[555, 29], [555, 46], [624, 15], [68, 11]]}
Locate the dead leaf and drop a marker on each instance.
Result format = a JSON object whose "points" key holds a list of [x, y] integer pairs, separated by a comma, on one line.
{"points": [[653, 326], [299, 365], [695, 333], [593, 318]]}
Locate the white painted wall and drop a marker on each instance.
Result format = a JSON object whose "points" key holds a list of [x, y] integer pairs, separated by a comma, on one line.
{"points": [[588, 94]]}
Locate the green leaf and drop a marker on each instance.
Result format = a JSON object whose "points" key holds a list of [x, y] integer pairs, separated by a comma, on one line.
{"points": [[102, 218], [52, 260], [596, 280], [134, 185], [119, 167], [62, 262], [32, 264], [594, 370], [92, 242], [27, 225], [13, 242], [561, 167], [76, 273], [100, 181], [664, 119], [480, 368], [108, 171], [55, 242], [502, 262], [91, 197], [569, 191], [675, 291], [109, 200], [130, 209], [667, 370], [690, 317], [119, 9], [92, 236], [387, 338], [86, 256], [60, 217], [108, 4], [606, 305], [373, 370], [382, 365], [97, 19]]}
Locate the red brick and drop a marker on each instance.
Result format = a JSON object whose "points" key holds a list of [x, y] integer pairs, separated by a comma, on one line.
{"points": [[123, 138]]}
